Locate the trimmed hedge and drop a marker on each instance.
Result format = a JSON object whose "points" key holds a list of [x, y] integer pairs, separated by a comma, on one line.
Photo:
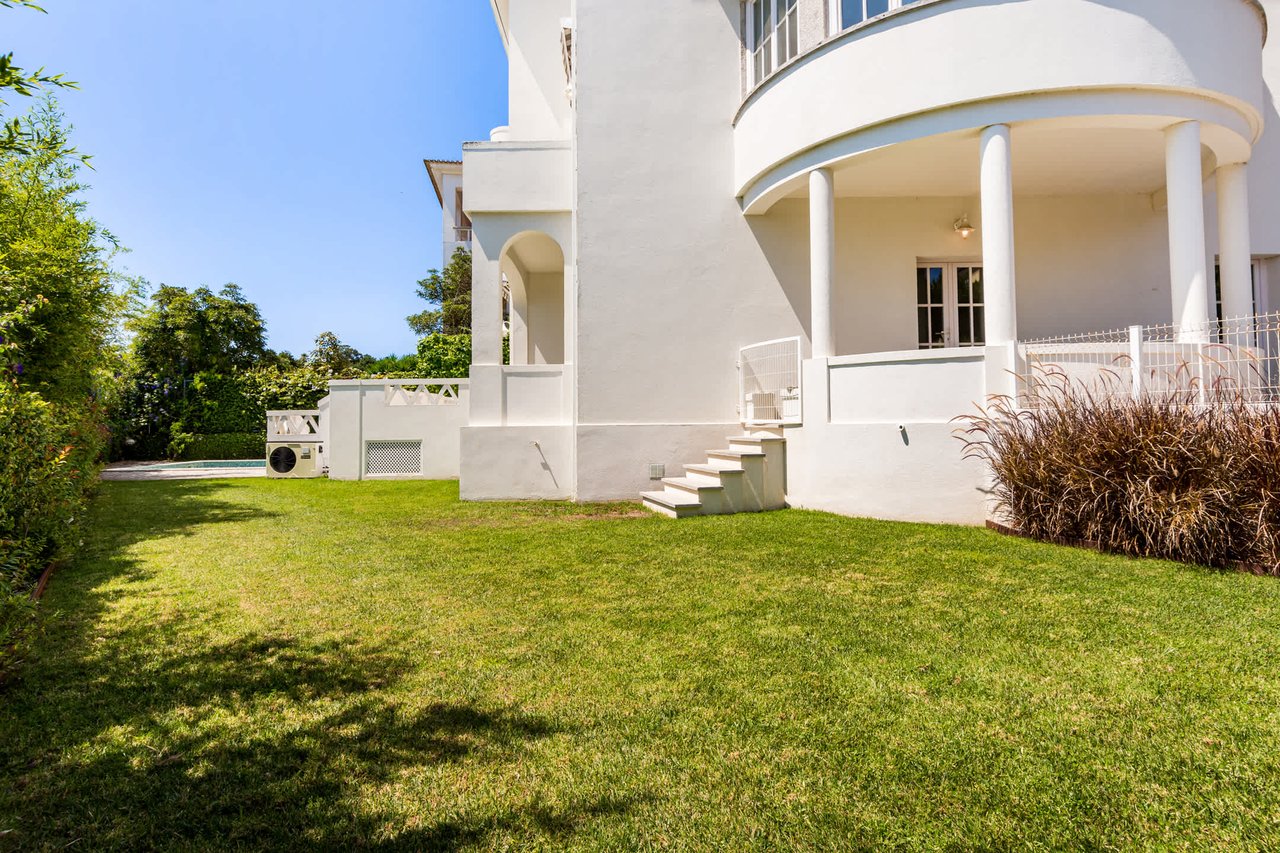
{"points": [[232, 445]]}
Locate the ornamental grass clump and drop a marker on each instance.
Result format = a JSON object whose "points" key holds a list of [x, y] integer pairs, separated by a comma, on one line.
{"points": [[1174, 476]]}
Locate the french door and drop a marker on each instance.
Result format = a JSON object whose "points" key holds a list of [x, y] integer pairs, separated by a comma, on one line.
{"points": [[949, 305]]}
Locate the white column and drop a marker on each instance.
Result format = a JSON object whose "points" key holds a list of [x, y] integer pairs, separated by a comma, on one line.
{"points": [[486, 310], [822, 259], [1188, 264], [998, 264], [1235, 259]]}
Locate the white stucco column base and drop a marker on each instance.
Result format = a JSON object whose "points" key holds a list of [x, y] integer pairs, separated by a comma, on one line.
{"points": [[1188, 264], [998, 262], [1235, 260]]}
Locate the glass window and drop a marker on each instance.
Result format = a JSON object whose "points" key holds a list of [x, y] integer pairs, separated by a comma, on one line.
{"points": [[856, 11], [949, 306], [773, 35]]}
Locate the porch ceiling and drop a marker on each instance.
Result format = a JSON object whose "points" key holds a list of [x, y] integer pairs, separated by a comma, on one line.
{"points": [[1047, 160]]}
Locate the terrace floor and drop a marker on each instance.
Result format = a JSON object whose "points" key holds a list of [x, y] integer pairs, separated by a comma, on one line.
{"points": [[321, 665]]}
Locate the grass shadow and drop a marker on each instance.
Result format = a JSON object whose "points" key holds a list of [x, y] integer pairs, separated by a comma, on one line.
{"points": [[258, 742], [152, 737]]}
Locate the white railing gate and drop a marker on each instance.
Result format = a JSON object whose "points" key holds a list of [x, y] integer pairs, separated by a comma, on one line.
{"points": [[769, 387]]}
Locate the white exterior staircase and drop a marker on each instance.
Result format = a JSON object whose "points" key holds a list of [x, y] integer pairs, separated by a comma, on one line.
{"points": [[747, 476]]}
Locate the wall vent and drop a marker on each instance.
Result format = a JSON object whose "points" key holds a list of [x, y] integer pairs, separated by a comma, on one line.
{"points": [[390, 458], [657, 470]]}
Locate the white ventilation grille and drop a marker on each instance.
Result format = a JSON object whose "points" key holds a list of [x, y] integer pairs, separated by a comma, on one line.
{"points": [[385, 458]]}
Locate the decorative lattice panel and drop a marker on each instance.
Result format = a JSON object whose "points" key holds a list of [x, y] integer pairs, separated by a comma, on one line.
{"points": [[384, 458]]}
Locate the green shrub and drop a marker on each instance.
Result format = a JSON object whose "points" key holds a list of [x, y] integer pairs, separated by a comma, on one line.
{"points": [[235, 445], [48, 461], [444, 357], [1149, 477]]}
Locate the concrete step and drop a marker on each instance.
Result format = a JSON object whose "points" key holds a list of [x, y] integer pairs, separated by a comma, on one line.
{"points": [[689, 485], [673, 504], [755, 440], [721, 474], [738, 455]]}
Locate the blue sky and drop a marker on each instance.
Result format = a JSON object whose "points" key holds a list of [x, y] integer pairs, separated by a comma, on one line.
{"points": [[278, 145]]}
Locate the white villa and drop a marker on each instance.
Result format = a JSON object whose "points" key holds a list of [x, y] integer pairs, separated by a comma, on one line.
{"points": [[892, 197]]}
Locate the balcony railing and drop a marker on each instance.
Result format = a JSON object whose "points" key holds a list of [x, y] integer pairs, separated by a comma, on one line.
{"points": [[1230, 361]]}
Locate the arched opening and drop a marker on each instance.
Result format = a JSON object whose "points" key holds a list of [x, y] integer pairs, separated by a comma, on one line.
{"points": [[532, 267]]}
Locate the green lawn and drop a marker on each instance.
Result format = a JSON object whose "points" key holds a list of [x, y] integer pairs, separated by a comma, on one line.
{"points": [[314, 664]]}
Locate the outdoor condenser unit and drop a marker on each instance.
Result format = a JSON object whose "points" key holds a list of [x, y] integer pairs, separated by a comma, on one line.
{"points": [[293, 460]]}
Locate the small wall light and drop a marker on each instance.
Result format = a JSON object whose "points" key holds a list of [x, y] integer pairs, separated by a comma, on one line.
{"points": [[963, 228]]}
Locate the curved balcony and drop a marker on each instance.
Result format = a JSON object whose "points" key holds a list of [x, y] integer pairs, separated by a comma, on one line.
{"points": [[940, 67]]}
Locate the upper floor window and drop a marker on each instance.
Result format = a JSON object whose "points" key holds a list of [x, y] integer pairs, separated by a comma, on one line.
{"points": [[773, 35], [846, 13]]}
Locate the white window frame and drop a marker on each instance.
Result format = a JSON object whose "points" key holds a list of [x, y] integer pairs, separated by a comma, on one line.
{"points": [[780, 41], [836, 25], [950, 300]]}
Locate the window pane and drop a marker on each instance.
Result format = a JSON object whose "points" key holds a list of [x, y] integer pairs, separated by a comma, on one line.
{"points": [[922, 287], [922, 326], [935, 323], [877, 7], [962, 285], [935, 285], [965, 324], [793, 36], [975, 275], [979, 326], [850, 13], [757, 12]]}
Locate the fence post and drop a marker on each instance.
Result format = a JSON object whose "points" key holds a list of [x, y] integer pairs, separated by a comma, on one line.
{"points": [[1135, 360]]}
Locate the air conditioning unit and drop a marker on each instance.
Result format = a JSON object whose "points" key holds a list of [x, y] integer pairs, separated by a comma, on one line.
{"points": [[293, 460]]}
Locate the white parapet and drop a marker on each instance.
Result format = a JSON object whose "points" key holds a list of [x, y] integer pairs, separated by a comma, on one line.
{"points": [[395, 428]]}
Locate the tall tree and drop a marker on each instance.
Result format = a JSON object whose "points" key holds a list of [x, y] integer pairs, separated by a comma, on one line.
{"points": [[450, 292], [183, 332], [54, 269], [337, 358]]}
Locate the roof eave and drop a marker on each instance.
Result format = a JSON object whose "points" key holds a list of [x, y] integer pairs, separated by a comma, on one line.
{"points": [[500, 9]]}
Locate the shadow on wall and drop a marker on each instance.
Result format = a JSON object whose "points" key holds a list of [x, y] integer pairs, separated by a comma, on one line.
{"points": [[146, 736]]}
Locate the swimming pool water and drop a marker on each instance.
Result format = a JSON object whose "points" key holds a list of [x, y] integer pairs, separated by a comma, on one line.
{"points": [[209, 463]]}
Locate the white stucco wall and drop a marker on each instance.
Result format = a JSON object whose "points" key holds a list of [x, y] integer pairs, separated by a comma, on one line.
{"points": [[516, 463], [545, 317], [671, 278], [536, 82], [358, 413]]}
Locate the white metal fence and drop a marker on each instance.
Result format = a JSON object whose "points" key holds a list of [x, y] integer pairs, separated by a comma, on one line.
{"points": [[769, 383], [1229, 360]]}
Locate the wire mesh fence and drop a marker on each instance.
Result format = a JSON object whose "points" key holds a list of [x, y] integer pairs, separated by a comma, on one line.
{"points": [[1225, 361], [769, 382]]}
